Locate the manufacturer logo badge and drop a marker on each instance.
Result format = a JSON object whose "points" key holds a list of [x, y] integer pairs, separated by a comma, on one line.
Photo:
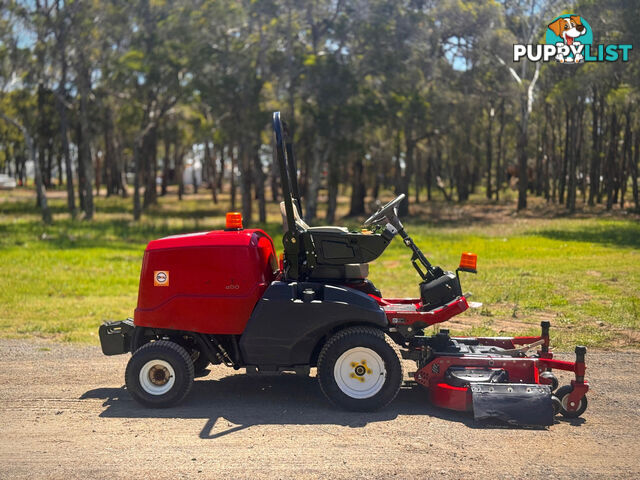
{"points": [[161, 278]]}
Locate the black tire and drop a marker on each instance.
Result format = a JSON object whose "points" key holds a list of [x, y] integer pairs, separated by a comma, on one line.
{"points": [[554, 380], [563, 396], [360, 339], [160, 391], [555, 403], [142, 336]]}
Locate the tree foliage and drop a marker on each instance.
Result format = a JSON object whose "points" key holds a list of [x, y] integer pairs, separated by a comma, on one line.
{"points": [[420, 96]]}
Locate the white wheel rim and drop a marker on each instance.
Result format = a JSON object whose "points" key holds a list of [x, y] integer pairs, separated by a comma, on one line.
{"points": [[565, 403], [157, 377], [360, 373]]}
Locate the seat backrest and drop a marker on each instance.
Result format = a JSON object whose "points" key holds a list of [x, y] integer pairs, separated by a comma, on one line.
{"points": [[296, 216]]}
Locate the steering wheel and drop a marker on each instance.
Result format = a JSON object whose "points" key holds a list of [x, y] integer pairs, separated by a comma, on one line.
{"points": [[383, 212]]}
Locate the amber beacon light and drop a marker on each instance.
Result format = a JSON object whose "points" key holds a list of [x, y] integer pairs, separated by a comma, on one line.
{"points": [[468, 262], [234, 221]]}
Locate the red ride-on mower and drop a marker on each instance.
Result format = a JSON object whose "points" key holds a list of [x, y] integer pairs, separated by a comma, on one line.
{"points": [[221, 297]]}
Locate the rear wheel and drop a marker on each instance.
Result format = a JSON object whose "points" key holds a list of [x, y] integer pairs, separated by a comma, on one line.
{"points": [[359, 369], [159, 374], [144, 335]]}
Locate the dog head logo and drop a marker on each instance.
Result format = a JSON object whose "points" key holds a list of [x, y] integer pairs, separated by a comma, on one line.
{"points": [[570, 34]]}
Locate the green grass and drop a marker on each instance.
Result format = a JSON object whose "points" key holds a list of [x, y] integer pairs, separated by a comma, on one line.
{"points": [[62, 281]]}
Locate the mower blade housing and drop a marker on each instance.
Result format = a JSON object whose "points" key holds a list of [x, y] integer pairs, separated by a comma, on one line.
{"points": [[513, 403]]}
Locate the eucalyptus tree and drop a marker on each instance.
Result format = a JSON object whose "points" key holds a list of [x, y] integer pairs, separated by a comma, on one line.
{"points": [[154, 71], [19, 71], [526, 20]]}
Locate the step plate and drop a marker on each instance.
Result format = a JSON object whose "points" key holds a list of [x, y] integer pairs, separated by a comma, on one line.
{"points": [[513, 403]]}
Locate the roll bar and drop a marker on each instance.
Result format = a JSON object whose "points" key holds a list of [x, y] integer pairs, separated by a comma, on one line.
{"points": [[288, 168], [284, 175]]}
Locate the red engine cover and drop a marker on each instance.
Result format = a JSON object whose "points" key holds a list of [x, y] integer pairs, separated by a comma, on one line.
{"points": [[205, 282]]}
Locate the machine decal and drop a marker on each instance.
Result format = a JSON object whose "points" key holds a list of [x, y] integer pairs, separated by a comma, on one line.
{"points": [[160, 278]]}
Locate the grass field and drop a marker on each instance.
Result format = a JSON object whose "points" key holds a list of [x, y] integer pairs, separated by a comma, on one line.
{"points": [[582, 274]]}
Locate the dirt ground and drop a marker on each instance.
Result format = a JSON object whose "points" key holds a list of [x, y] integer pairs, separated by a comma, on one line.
{"points": [[64, 413]]}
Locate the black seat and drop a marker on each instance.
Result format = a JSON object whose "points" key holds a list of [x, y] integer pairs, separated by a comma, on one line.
{"points": [[328, 253], [341, 255]]}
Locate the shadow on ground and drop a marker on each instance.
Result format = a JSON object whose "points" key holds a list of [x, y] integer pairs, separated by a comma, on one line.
{"points": [[618, 235], [245, 401]]}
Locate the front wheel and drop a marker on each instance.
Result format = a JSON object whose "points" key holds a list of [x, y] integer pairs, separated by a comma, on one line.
{"points": [[359, 369], [159, 374], [562, 394]]}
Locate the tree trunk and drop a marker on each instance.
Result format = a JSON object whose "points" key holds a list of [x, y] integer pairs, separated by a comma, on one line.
{"points": [[40, 190], [275, 181], [379, 178], [194, 177], [260, 179], [64, 138], [500, 152], [490, 151], [429, 173], [221, 175], [41, 133], [98, 170], [320, 153], [538, 184], [232, 177], [571, 164], [150, 166], [81, 169], [178, 164], [112, 159], [358, 188], [410, 145], [210, 161], [418, 176], [137, 206], [58, 165], [523, 140], [594, 168], [626, 157], [246, 181], [332, 191], [565, 157], [165, 165], [48, 164], [84, 149], [62, 114], [601, 166], [611, 158], [634, 170], [545, 154]]}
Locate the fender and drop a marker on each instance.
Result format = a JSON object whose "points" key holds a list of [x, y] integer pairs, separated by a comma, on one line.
{"points": [[291, 318]]}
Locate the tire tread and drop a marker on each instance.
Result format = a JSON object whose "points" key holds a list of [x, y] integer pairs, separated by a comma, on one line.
{"points": [[359, 330], [173, 348]]}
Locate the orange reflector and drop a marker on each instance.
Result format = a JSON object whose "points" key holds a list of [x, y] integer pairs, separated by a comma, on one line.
{"points": [[468, 262], [281, 262], [234, 221]]}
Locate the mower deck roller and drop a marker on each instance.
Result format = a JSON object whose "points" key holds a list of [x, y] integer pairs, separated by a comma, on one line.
{"points": [[222, 297]]}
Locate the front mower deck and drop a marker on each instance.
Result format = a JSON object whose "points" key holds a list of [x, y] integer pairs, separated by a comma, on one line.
{"points": [[495, 378]]}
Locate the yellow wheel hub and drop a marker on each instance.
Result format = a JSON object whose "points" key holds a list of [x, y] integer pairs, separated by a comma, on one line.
{"points": [[360, 372], [360, 369]]}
